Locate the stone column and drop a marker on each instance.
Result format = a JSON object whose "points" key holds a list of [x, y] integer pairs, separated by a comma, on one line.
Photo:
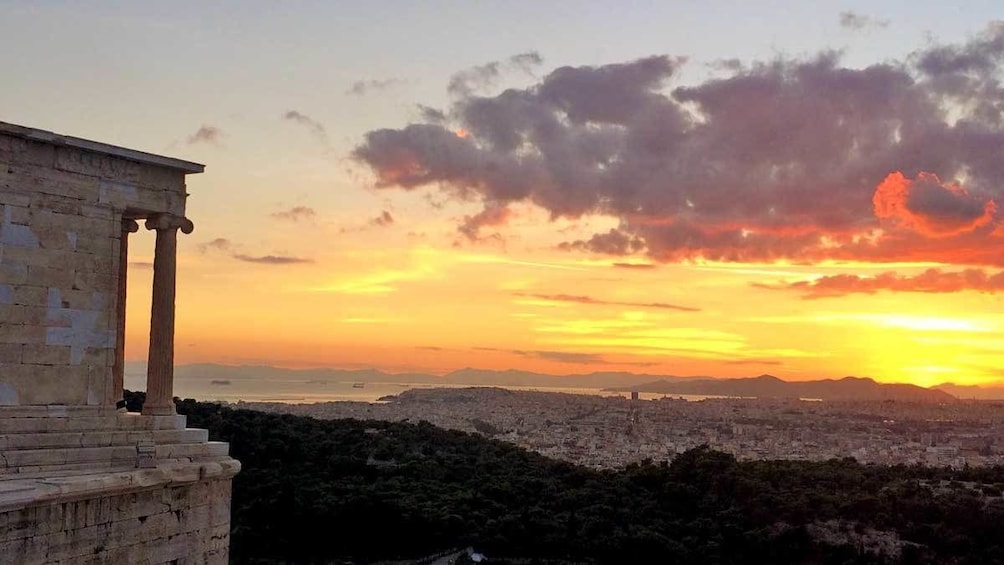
{"points": [[118, 371], [160, 368]]}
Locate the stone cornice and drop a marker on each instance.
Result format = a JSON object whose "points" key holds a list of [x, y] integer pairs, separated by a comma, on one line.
{"points": [[51, 138], [16, 494]]}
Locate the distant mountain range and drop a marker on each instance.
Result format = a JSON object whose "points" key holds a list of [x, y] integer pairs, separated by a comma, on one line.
{"points": [[763, 386], [466, 376], [963, 392], [769, 386]]}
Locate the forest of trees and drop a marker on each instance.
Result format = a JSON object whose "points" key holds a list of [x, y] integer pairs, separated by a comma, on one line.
{"points": [[348, 491]]}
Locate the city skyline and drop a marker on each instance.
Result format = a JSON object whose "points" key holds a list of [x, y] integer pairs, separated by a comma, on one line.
{"points": [[337, 226]]}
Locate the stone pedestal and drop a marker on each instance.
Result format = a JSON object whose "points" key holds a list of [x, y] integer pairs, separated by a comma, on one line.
{"points": [[85, 485]]}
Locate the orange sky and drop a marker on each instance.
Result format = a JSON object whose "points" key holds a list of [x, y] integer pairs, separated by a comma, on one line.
{"points": [[420, 304], [521, 186]]}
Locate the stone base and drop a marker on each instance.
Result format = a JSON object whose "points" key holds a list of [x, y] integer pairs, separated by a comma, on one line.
{"points": [[83, 484], [118, 520]]}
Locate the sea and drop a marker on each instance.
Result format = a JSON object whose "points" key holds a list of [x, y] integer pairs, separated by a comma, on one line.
{"points": [[304, 391]]}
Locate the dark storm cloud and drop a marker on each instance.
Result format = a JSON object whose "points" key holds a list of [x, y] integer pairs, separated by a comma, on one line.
{"points": [[779, 159]]}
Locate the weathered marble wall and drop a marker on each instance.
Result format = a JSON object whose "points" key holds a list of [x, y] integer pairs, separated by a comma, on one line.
{"points": [[183, 525], [61, 212]]}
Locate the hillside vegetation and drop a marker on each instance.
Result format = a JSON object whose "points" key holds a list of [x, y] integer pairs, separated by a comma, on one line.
{"points": [[349, 491]]}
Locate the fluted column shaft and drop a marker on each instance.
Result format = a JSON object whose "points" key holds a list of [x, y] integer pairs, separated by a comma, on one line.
{"points": [[160, 365], [118, 371]]}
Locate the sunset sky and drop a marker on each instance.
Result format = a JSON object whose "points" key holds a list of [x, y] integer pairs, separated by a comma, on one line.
{"points": [[720, 188]]}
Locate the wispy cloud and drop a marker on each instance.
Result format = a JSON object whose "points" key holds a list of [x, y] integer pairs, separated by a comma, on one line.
{"points": [[855, 21], [492, 215], [581, 299], [271, 259], [645, 266], [206, 134], [565, 356], [361, 87], [316, 128], [218, 244], [560, 356], [468, 81], [380, 282], [931, 281], [769, 362], [295, 214], [224, 245], [690, 342], [384, 219]]}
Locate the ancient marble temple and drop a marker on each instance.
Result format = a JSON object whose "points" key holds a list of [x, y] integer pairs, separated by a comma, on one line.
{"points": [[82, 482]]}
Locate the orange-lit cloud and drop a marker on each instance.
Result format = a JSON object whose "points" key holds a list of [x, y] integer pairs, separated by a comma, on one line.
{"points": [[620, 265], [579, 299], [783, 160], [930, 281], [492, 215], [931, 207]]}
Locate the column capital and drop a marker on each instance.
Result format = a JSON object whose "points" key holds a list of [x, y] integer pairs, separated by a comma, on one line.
{"points": [[168, 222], [129, 226]]}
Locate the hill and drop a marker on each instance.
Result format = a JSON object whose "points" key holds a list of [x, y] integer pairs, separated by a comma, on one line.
{"points": [[849, 388], [350, 491], [769, 386], [964, 392]]}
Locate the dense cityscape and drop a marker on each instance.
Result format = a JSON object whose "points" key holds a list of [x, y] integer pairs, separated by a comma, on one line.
{"points": [[612, 431]]}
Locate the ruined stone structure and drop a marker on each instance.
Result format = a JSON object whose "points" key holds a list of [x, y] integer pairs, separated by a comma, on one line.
{"points": [[81, 482]]}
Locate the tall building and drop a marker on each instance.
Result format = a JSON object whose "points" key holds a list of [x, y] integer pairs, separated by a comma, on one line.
{"points": [[79, 479]]}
